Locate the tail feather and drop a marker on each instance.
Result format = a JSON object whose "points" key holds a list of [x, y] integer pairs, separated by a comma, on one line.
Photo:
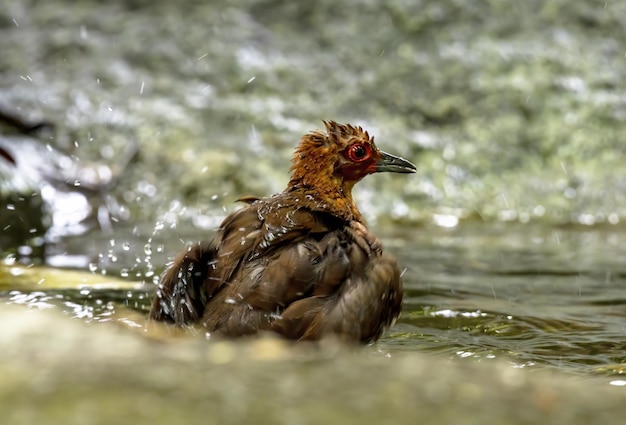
{"points": [[181, 294]]}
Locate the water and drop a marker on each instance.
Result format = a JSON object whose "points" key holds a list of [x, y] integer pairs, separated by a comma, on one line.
{"points": [[534, 296]]}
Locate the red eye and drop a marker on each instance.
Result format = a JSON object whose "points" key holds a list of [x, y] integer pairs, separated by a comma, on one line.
{"points": [[358, 152]]}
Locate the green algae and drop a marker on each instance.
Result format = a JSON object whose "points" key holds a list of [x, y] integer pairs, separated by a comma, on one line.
{"points": [[29, 278]]}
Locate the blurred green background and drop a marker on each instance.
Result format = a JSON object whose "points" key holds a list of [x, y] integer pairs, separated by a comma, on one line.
{"points": [[512, 110]]}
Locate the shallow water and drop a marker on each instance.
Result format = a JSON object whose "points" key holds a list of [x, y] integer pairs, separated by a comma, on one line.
{"points": [[534, 296]]}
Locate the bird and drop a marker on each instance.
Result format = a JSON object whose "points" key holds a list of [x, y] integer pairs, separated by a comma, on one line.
{"points": [[301, 263]]}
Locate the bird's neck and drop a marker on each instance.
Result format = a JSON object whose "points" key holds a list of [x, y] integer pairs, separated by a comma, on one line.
{"points": [[333, 196]]}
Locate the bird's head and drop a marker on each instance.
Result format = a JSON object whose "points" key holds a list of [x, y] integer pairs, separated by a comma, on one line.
{"points": [[340, 157]]}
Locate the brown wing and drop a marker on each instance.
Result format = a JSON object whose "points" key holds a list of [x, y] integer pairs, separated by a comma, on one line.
{"points": [[320, 284], [366, 301], [264, 286], [249, 236]]}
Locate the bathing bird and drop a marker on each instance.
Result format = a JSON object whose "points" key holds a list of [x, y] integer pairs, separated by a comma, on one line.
{"points": [[301, 263]]}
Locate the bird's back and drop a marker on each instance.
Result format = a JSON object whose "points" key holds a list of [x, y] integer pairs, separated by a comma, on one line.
{"points": [[281, 264]]}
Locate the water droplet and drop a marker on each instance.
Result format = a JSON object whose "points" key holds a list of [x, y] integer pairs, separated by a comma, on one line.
{"points": [[539, 210], [147, 248], [586, 219], [570, 192], [126, 246], [445, 220], [10, 259], [93, 267], [124, 272]]}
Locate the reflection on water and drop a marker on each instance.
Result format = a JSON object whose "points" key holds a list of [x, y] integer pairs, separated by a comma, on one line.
{"points": [[531, 295]]}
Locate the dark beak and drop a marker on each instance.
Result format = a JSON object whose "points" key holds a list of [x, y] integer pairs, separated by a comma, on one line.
{"points": [[394, 164]]}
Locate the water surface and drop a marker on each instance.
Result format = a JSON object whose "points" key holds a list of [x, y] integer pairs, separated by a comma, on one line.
{"points": [[534, 296]]}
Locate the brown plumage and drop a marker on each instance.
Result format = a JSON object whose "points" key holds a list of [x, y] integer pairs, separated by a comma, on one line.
{"points": [[300, 263]]}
